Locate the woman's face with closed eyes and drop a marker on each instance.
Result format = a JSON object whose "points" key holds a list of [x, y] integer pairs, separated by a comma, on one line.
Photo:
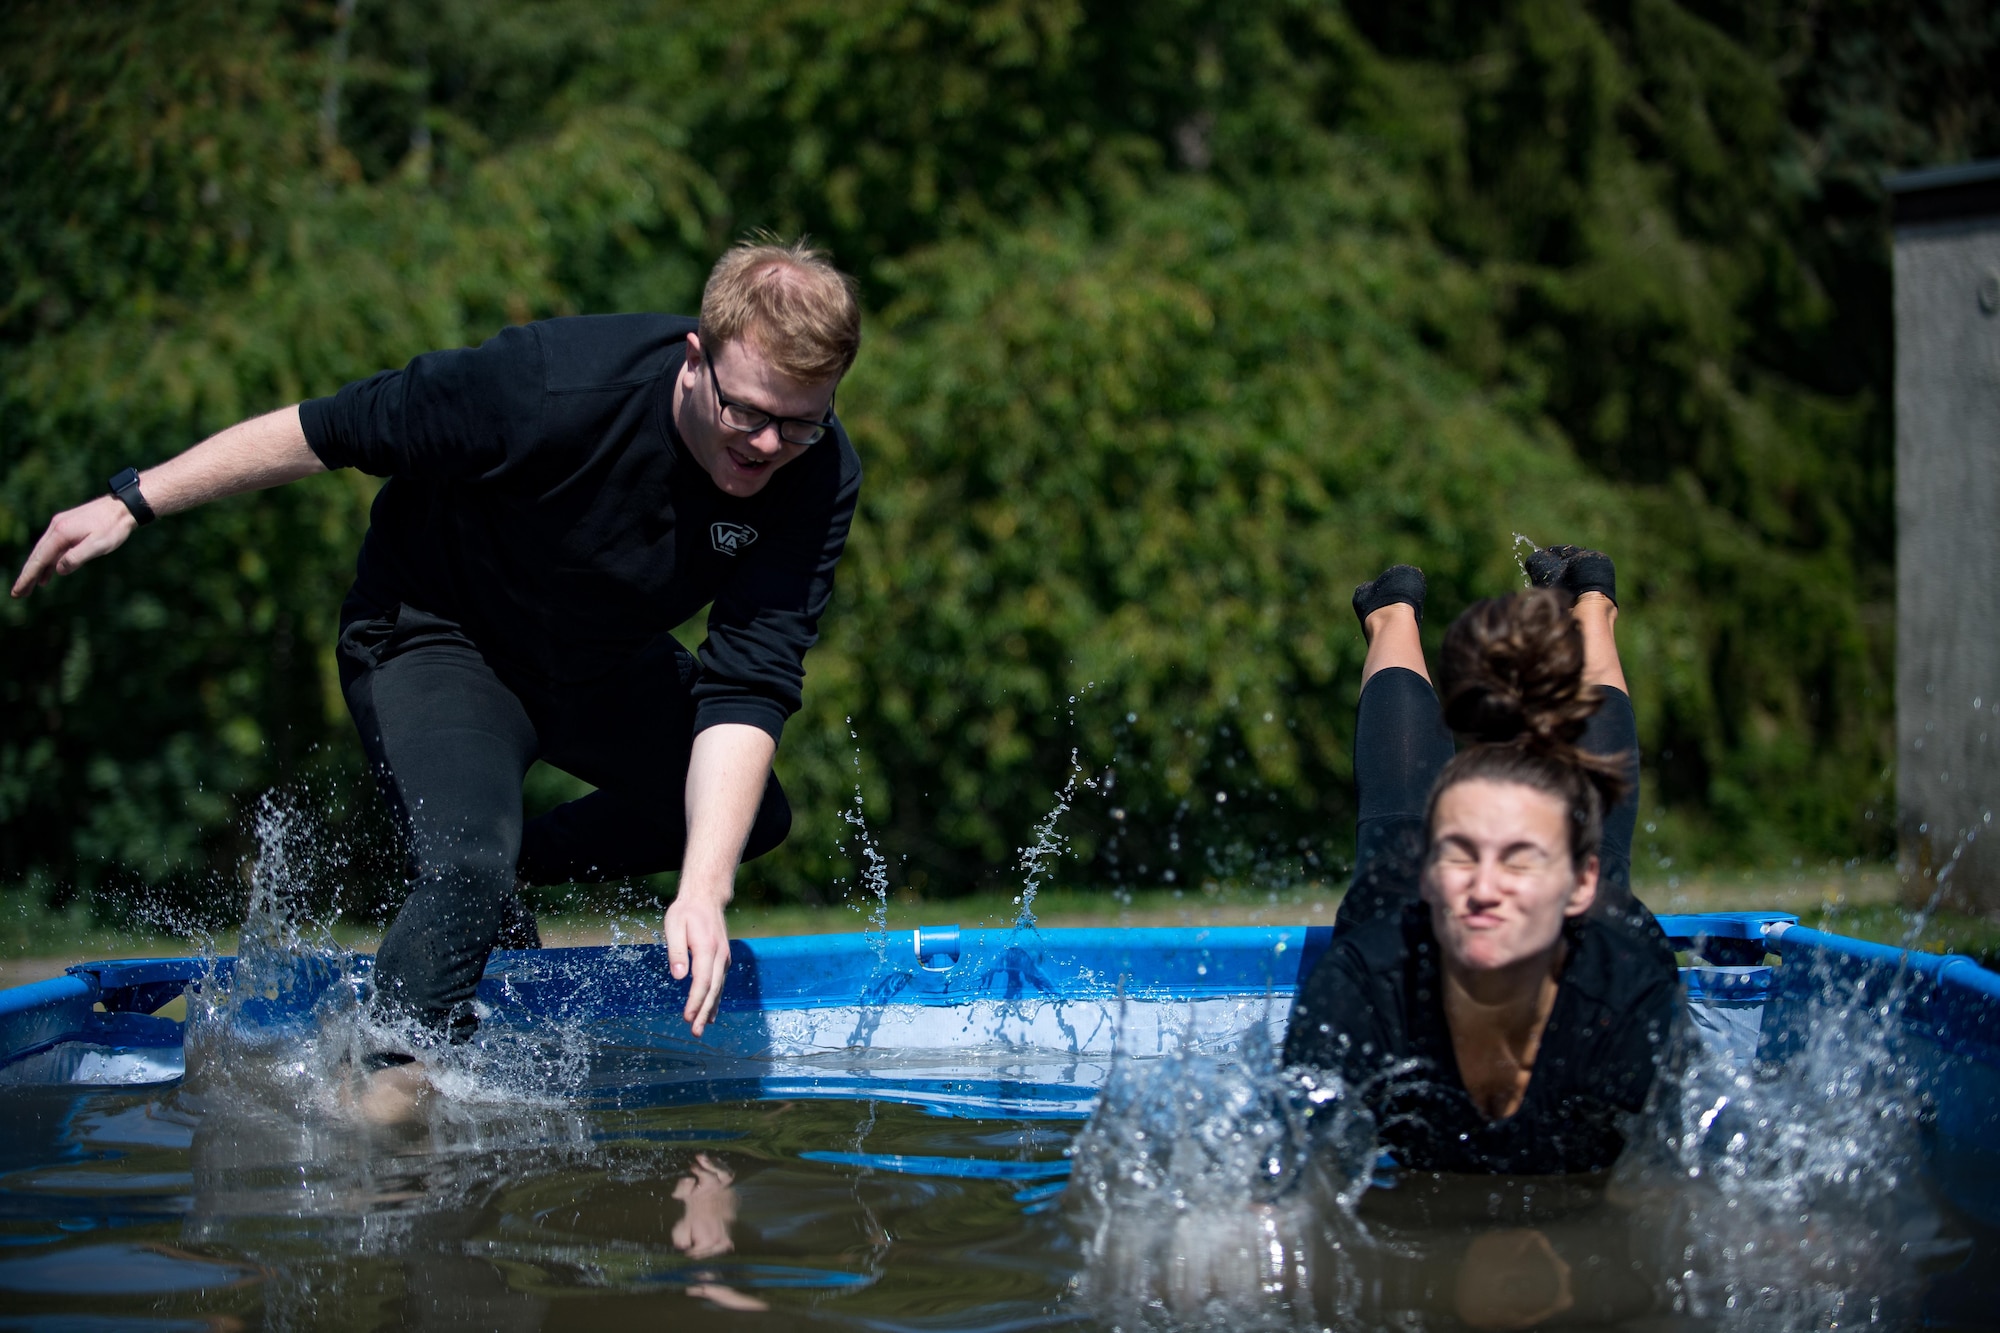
{"points": [[1499, 879]]}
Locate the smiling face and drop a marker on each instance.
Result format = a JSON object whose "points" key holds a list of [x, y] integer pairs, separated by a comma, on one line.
{"points": [[739, 463], [1499, 879]]}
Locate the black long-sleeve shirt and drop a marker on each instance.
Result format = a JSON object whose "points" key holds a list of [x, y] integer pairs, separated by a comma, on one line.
{"points": [[1373, 1012], [540, 496]]}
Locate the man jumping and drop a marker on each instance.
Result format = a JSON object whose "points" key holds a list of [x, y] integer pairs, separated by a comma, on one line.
{"points": [[559, 499]]}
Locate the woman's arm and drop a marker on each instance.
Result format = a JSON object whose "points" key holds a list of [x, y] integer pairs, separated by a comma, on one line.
{"points": [[1346, 1015]]}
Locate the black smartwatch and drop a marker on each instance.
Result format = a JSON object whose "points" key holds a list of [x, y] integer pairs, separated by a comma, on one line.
{"points": [[126, 487]]}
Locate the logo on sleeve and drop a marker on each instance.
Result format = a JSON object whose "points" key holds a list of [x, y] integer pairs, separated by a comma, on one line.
{"points": [[729, 538]]}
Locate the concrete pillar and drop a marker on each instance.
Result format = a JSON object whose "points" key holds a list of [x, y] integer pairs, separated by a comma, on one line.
{"points": [[1947, 273]]}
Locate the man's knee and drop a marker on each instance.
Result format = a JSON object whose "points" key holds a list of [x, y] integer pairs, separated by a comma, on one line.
{"points": [[479, 866], [773, 823]]}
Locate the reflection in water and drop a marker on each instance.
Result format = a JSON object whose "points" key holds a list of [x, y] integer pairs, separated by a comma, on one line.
{"points": [[707, 1193], [1208, 1197], [1512, 1279], [496, 1217], [703, 1231], [292, 1189]]}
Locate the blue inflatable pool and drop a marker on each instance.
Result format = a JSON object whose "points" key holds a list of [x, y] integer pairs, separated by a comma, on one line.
{"points": [[1016, 1022], [980, 1043]]}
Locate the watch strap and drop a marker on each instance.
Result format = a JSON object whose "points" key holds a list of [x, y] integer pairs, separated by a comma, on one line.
{"points": [[126, 487]]}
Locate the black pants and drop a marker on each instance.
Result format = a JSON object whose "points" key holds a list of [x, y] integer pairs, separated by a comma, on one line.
{"points": [[1401, 744], [452, 738]]}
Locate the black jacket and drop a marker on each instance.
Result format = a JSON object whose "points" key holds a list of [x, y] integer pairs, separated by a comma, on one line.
{"points": [[540, 497]]}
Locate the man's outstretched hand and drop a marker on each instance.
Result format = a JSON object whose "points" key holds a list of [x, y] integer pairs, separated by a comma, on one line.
{"points": [[698, 949], [252, 455], [76, 537]]}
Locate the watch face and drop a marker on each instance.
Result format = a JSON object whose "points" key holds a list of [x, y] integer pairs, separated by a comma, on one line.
{"points": [[125, 486]]}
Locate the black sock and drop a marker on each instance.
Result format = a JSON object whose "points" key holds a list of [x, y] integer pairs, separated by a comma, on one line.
{"points": [[1574, 569], [1397, 583]]}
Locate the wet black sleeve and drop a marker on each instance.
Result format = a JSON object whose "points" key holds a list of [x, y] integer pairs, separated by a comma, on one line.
{"points": [[766, 617], [457, 413], [1630, 1013], [1346, 1018], [1642, 1036], [1401, 744], [1614, 730]]}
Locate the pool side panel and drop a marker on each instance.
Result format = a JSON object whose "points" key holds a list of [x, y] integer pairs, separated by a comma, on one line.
{"points": [[813, 971], [42, 1013], [947, 965]]}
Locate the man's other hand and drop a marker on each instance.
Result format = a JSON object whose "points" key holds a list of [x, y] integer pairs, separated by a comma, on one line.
{"points": [[698, 949], [76, 537], [727, 770]]}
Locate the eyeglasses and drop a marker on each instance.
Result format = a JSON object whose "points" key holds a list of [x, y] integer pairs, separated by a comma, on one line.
{"points": [[749, 420]]}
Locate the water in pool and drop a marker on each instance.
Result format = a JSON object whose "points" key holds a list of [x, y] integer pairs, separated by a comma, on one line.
{"points": [[568, 1177], [548, 1190]]}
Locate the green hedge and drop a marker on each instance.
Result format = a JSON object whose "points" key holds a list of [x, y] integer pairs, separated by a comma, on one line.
{"points": [[1183, 319]]}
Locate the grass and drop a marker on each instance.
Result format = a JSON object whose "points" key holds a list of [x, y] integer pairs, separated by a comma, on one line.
{"points": [[35, 943]]}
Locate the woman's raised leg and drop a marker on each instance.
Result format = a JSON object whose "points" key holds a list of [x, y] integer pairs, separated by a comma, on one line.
{"points": [[1400, 745], [1592, 580]]}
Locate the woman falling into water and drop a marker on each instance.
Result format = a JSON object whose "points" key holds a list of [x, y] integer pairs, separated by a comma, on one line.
{"points": [[1494, 993]]}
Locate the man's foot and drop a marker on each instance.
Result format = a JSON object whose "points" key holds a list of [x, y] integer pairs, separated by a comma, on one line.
{"points": [[394, 1089], [1575, 570], [1397, 583]]}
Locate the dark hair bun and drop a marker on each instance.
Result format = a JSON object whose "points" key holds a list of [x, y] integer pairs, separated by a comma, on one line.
{"points": [[1513, 672]]}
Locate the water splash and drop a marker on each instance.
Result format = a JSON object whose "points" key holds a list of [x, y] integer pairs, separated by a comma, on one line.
{"points": [[866, 851], [242, 1040], [1920, 919], [1524, 546], [1037, 859], [277, 1035], [1791, 1196], [1214, 1190]]}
